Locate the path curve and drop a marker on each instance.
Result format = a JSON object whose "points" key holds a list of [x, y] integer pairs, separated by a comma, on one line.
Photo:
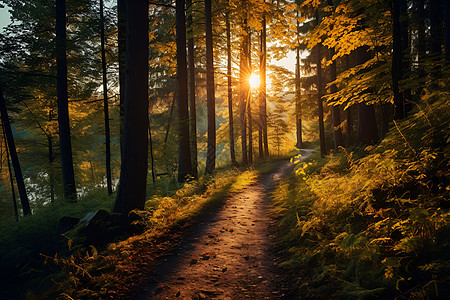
{"points": [[230, 255]]}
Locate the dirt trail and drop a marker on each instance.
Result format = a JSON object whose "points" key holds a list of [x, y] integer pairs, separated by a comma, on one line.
{"points": [[230, 255]]}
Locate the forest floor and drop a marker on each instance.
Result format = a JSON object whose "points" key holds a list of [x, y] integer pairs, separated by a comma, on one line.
{"points": [[231, 253]]}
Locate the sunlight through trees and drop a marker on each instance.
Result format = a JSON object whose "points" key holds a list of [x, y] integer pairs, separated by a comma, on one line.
{"points": [[98, 95]]}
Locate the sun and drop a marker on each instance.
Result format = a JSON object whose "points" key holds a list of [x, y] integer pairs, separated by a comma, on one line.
{"points": [[254, 81]]}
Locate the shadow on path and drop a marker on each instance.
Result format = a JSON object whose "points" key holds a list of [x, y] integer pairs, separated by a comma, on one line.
{"points": [[228, 254]]}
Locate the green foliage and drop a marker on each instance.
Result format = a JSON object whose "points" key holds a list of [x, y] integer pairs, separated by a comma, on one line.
{"points": [[377, 225], [22, 242], [86, 272]]}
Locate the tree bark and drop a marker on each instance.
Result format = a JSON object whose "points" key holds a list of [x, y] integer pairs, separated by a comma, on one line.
{"points": [[133, 172], [169, 120], [230, 90], [243, 91], [14, 158], [335, 110], [249, 102], [264, 87], [210, 96], [152, 160], [323, 150], [399, 112], [421, 48], [122, 45], [184, 152], [349, 118], [11, 179], [51, 159], [298, 96], [367, 130], [192, 100], [386, 113], [447, 29], [70, 192], [367, 133], [348, 111], [105, 103], [406, 57], [435, 27], [420, 17]]}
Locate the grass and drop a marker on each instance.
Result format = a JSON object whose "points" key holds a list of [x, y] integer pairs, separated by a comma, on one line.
{"points": [[22, 242], [34, 255], [375, 225]]}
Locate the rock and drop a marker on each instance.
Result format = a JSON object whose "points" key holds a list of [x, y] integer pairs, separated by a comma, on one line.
{"points": [[102, 227], [94, 216], [66, 224]]}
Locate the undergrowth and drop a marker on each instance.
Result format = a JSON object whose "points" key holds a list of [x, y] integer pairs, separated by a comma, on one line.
{"points": [[375, 226], [93, 274], [22, 242]]}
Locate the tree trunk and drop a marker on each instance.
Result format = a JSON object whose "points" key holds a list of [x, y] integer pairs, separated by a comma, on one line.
{"points": [[210, 97], [386, 113], [298, 96], [133, 172], [11, 179], [349, 118], [264, 87], [420, 17], [51, 175], [348, 111], [169, 120], [447, 29], [367, 133], [51, 159], [230, 90], [249, 101], [184, 153], [367, 130], [387, 109], [436, 27], [421, 48], [323, 150], [14, 158], [399, 112], [70, 192], [406, 57], [152, 160], [105, 103], [122, 45], [192, 100], [335, 110], [243, 91]]}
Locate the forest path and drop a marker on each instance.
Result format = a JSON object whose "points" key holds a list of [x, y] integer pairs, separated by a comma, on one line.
{"points": [[230, 255]]}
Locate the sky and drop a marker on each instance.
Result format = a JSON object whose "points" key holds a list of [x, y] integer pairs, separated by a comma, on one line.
{"points": [[288, 62], [4, 17]]}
